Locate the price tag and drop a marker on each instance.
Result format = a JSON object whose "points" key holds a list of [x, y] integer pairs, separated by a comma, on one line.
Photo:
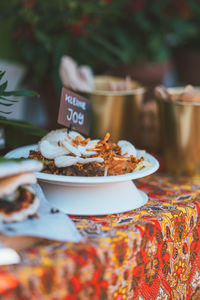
{"points": [[75, 111]]}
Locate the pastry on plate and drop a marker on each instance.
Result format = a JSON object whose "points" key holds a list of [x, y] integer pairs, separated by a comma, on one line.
{"points": [[17, 199]]}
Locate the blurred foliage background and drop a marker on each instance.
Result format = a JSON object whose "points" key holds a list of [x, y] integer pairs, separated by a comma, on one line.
{"points": [[107, 35], [102, 33]]}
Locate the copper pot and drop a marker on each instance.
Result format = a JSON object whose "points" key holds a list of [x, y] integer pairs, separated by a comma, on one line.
{"points": [[180, 135], [116, 112]]}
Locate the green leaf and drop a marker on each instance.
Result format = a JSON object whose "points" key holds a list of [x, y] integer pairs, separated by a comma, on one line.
{"points": [[3, 86], [4, 159], [5, 112], [20, 93], [44, 39], [6, 104], [10, 100], [27, 127], [2, 73], [109, 47]]}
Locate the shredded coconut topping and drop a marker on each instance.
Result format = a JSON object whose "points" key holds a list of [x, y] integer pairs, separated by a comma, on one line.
{"points": [[71, 148]]}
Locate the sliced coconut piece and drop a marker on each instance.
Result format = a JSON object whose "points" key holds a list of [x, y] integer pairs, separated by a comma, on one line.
{"points": [[88, 149], [10, 167], [65, 161], [84, 150], [51, 151], [10, 184], [73, 134], [92, 143], [54, 136], [71, 149], [90, 159], [127, 147], [106, 171]]}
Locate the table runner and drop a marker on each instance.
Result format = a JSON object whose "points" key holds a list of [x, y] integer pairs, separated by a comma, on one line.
{"points": [[149, 253]]}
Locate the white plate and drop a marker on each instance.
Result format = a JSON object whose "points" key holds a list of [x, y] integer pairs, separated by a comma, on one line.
{"points": [[91, 195], [24, 152]]}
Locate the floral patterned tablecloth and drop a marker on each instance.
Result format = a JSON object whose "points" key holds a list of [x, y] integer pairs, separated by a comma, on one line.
{"points": [[149, 253]]}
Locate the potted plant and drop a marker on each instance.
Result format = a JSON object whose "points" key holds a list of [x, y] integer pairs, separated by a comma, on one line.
{"points": [[43, 31], [14, 128], [119, 37]]}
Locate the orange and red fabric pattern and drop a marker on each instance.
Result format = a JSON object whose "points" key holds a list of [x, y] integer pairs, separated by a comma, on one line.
{"points": [[149, 253]]}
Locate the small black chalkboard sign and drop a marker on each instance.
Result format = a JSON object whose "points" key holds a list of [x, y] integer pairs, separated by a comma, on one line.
{"points": [[75, 111]]}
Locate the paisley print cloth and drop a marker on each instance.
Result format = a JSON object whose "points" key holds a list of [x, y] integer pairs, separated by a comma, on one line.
{"points": [[149, 253]]}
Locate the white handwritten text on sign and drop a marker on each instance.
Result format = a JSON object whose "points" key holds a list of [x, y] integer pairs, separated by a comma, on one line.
{"points": [[75, 111]]}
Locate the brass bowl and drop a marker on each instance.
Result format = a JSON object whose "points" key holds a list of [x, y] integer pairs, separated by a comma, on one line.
{"points": [[116, 112], [180, 135]]}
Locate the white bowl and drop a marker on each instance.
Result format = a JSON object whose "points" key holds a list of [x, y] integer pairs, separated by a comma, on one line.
{"points": [[91, 195]]}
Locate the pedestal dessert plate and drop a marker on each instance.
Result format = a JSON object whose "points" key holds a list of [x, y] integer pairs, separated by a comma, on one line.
{"points": [[91, 195]]}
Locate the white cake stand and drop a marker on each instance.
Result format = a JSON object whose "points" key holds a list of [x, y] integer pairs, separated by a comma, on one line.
{"points": [[91, 195]]}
